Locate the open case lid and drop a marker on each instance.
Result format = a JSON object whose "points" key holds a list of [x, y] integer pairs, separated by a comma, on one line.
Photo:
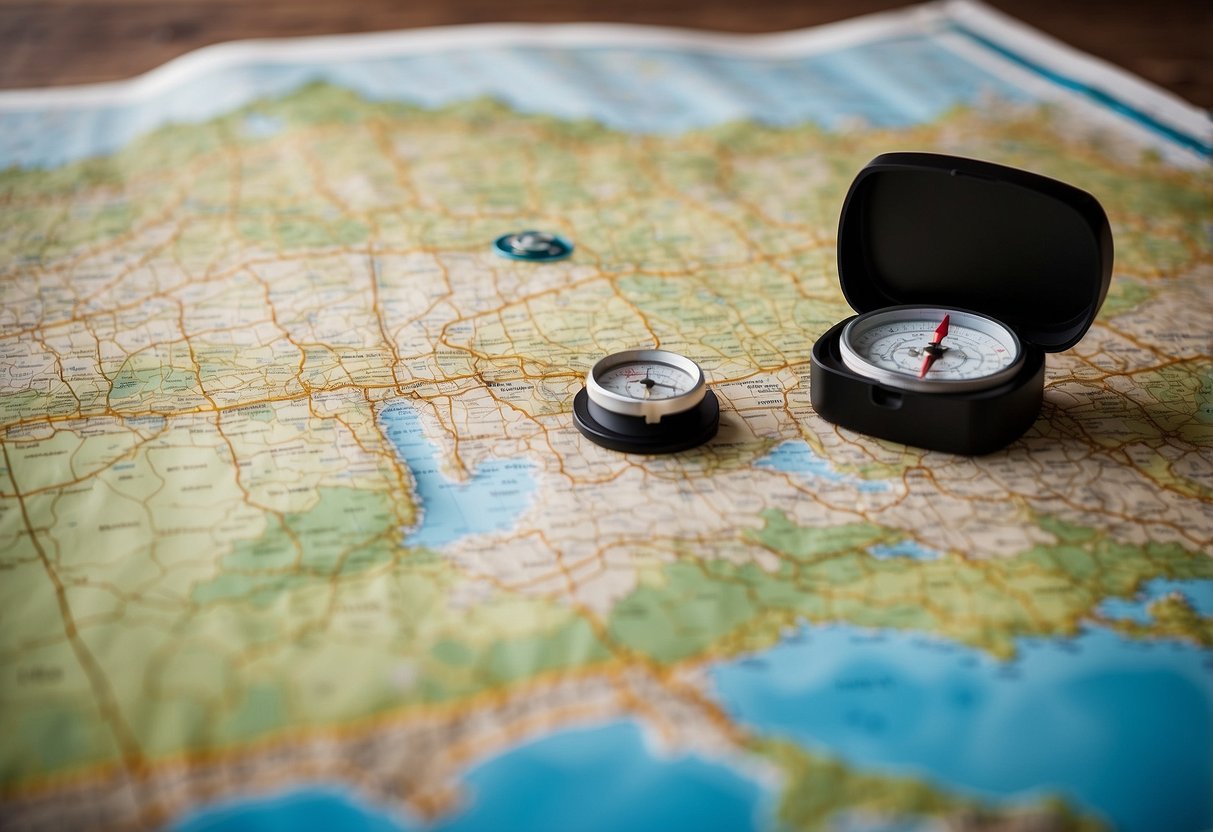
{"points": [[924, 228]]}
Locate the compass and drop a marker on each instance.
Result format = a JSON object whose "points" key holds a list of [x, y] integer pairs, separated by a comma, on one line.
{"points": [[964, 274], [536, 246], [646, 401], [931, 349]]}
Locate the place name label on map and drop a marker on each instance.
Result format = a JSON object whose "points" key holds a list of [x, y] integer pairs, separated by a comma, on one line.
{"points": [[113, 527], [39, 674]]}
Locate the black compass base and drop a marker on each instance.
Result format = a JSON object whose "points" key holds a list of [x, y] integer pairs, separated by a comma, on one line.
{"points": [[632, 435], [973, 424]]}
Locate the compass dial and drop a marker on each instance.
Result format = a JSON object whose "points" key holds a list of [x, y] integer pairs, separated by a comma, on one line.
{"points": [[931, 349], [648, 383]]}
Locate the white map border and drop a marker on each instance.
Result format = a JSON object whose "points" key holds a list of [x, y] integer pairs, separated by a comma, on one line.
{"points": [[1108, 80]]}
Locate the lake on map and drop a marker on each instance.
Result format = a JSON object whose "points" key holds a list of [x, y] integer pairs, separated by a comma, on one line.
{"points": [[491, 500]]}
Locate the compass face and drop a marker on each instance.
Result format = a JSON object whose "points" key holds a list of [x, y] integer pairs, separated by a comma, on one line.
{"points": [[648, 383], [647, 380], [931, 349]]}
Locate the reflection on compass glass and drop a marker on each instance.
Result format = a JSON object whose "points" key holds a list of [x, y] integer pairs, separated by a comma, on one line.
{"points": [[931, 349], [647, 383], [647, 380]]}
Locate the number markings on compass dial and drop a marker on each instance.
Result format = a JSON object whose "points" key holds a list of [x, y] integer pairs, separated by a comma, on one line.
{"points": [[890, 346], [970, 354], [646, 380], [652, 383]]}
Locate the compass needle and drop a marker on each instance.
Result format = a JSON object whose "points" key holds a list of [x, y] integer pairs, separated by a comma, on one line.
{"points": [[935, 349]]}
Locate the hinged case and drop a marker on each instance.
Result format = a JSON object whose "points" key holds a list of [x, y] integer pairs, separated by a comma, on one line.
{"points": [[930, 229]]}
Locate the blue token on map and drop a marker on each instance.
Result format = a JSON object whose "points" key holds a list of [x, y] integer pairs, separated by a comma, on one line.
{"points": [[533, 245]]}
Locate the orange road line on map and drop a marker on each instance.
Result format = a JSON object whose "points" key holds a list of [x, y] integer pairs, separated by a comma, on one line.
{"points": [[132, 755]]}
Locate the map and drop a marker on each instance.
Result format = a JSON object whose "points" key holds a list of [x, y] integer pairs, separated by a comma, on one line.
{"points": [[296, 530]]}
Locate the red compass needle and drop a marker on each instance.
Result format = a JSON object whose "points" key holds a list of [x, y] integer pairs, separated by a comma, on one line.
{"points": [[934, 349]]}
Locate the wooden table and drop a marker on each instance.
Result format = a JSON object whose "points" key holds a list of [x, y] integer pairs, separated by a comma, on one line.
{"points": [[45, 42]]}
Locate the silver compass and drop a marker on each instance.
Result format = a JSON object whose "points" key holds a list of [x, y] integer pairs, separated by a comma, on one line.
{"points": [[931, 349], [646, 402], [648, 383]]}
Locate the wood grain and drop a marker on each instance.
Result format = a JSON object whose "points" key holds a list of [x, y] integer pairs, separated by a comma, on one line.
{"points": [[1168, 42]]}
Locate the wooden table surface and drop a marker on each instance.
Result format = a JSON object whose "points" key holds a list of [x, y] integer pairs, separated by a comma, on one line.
{"points": [[46, 42]]}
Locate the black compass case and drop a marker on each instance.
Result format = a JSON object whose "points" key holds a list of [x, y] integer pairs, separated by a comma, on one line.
{"points": [[930, 229]]}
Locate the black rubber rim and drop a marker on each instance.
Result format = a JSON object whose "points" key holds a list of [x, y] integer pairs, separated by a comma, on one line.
{"points": [[632, 435]]}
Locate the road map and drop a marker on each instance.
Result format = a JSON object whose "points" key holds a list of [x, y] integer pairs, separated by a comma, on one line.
{"points": [[296, 531]]}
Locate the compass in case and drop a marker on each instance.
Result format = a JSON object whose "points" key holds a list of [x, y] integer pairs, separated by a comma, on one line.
{"points": [[964, 274]]}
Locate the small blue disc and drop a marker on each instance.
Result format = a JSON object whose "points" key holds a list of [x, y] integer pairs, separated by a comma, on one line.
{"points": [[536, 246]]}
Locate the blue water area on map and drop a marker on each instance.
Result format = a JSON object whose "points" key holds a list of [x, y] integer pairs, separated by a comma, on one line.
{"points": [[1198, 593], [604, 779], [490, 500], [261, 126], [317, 809], [903, 549], [892, 81], [796, 457], [600, 779], [1121, 728]]}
